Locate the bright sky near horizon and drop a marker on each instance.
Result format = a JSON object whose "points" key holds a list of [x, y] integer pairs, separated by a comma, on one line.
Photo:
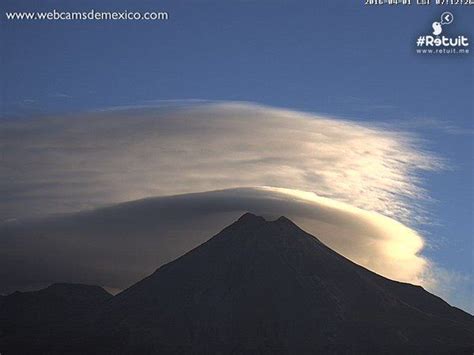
{"points": [[334, 58]]}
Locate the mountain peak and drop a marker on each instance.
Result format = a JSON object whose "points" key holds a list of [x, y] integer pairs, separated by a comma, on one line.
{"points": [[267, 286], [259, 286], [250, 217], [285, 220]]}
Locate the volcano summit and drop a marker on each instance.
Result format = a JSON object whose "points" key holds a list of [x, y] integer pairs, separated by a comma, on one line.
{"points": [[257, 287]]}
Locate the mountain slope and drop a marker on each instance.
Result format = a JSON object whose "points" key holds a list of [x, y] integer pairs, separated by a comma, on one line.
{"points": [[269, 287], [265, 287]]}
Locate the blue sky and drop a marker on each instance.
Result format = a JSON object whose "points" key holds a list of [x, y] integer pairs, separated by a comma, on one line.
{"points": [[339, 58]]}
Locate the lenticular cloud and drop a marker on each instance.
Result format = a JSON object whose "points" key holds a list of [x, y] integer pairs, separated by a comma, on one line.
{"points": [[66, 164], [351, 184], [118, 245]]}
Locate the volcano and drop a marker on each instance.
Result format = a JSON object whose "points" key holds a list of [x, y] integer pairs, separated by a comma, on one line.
{"points": [[261, 287]]}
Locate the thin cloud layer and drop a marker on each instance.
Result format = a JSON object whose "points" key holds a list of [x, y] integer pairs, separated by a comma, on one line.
{"points": [[66, 164]]}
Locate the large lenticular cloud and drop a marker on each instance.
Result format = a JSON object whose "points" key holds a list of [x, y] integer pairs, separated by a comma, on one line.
{"points": [[65, 164], [349, 184], [117, 246]]}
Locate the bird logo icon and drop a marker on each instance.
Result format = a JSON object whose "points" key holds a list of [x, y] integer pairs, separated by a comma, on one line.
{"points": [[446, 19], [437, 28]]}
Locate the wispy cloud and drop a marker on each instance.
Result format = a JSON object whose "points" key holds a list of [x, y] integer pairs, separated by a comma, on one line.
{"points": [[71, 163], [436, 125], [61, 95]]}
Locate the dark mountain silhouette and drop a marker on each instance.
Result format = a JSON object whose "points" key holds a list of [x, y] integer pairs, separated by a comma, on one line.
{"points": [[29, 317], [263, 287]]}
